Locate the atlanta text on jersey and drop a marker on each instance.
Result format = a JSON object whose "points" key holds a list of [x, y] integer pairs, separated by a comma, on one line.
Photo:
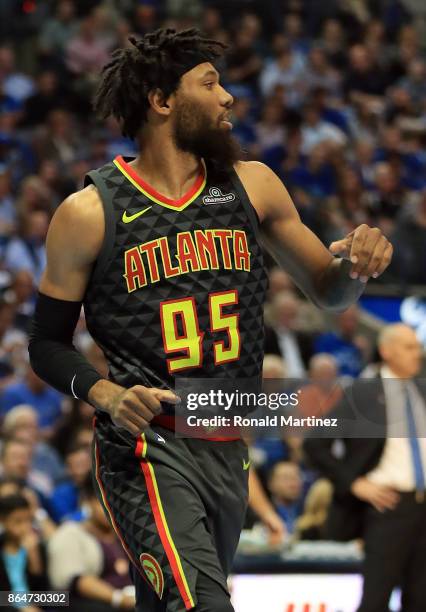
{"points": [[208, 249]]}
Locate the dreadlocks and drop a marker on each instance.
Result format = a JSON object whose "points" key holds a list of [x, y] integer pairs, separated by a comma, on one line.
{"points": [[157, 60]]}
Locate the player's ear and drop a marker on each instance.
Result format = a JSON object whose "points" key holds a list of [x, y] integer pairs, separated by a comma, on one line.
{"points": [[159, 103]]}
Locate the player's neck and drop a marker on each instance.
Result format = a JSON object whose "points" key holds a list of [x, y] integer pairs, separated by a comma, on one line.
{"points": [[169, 170]]}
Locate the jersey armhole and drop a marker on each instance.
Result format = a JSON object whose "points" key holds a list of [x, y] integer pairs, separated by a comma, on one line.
{"points": [[249, 208], [93, 178]]}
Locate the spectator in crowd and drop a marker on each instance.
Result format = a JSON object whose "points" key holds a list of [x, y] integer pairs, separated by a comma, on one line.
{"points": [[183, 9], [57, 31], [64, 503], [385, 200], [374, 40], [27, 250], [379, 482], [363, 162], [311, 524], [323, 391], [22, 558], [58, 138], [286, 488], [316, 131], [263, 509], [270, 130], [16, 85], [287, 69], [87, 559], [21, 423], [267, 451], [15, 462], [353, 203], [333, 40], [409, 239], [49, 95], [212, 24], [363, 123], [87, 52], [273, 367], [13, 342], [144, 18], [414, 82], [16, 154], [344, 344], [33, 195], [42, 523], [315, 175], [10, 486], [35, 392], [279, 280], [243, 62], [365, 82], [54, 182], [320, 74], [7, 208], [408, 49], [285, 339], [20, 294], [293, 31], [76, 428]]}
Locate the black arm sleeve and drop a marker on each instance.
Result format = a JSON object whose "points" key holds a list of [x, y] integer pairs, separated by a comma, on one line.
{"points": [[53, 357]]}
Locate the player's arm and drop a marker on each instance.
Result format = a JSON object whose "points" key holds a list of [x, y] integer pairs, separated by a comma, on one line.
{"points": [[73, 242], [329, 282]]}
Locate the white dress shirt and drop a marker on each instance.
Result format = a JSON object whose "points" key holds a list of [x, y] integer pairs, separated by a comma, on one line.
{"points": [[290, 351], [395, 468]]}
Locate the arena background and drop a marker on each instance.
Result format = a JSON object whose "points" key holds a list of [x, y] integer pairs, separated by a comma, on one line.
{"points": [[331, 95]]}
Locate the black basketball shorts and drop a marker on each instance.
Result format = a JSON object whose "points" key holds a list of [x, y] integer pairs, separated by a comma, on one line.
{"points": [[177, 505]]}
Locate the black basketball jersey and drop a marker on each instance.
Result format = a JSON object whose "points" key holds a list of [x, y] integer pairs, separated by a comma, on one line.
{"points": [[179, 285]]}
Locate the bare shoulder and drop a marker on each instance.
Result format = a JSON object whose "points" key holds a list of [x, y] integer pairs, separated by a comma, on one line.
{"points": [[264, 188], [253, 171], [79, 223]]}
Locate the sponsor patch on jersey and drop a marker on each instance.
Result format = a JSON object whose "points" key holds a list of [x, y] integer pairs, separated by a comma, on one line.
{"points": [[217, 197], [153, 572]]}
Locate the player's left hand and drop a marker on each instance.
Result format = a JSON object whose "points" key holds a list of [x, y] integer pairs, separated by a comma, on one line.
{"points": [[367, 248]]}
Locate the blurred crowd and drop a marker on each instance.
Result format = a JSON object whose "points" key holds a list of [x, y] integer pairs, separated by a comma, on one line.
{"points": [[331, 95]]}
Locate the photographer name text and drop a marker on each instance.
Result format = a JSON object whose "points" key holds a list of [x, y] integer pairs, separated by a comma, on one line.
{"points": [[266, 421]]}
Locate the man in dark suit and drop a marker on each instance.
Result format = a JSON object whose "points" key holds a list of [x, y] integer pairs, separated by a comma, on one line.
{"points": [[379, 480], [295, 347]]}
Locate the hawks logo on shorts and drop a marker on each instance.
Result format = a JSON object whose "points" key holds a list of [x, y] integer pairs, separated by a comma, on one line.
{"points": [[153, 572]]}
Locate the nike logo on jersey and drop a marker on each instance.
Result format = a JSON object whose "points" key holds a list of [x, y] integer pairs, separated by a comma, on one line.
{"points": [[160, 438], [246, 464], [129, 218]]}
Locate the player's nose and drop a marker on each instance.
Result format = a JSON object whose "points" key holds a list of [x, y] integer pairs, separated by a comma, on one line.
{"points": [[226, 99]]}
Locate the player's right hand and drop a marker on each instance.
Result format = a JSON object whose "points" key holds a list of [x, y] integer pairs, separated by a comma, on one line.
{"points": [[134, 408]]}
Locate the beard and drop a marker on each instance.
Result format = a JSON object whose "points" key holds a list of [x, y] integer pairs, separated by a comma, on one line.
{"points": [[194, 131]]}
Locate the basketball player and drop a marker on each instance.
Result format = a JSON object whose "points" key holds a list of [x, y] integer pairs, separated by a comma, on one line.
{"points": [[163, 252]]}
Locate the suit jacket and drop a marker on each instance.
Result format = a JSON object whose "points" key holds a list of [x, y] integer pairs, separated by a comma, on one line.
{"points": [[363, 410], [304, 342]]}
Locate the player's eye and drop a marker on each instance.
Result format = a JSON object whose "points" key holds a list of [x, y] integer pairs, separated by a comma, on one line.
{"points": [[209, 85]]}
